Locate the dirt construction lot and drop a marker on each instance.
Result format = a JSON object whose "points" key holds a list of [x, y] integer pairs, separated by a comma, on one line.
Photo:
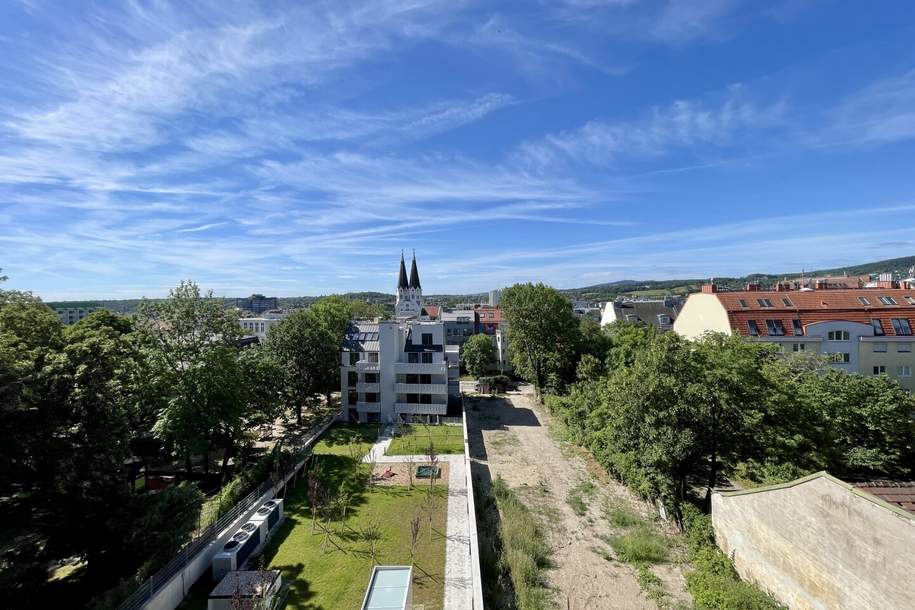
{"points": [[510, 437]]}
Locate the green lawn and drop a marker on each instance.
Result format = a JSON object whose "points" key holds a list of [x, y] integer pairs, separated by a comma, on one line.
{"points": [[339, 439], [416, 437], [336, 575]]}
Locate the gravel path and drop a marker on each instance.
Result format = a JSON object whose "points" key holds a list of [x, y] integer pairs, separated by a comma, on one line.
{"points": [[511, 438]]}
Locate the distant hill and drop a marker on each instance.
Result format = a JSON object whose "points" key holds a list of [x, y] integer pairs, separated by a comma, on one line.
{"points": [[598, 292]]}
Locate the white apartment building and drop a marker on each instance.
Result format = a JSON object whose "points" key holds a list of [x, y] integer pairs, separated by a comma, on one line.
{"points": [[72, 315], [398, 370], [261, 325]]}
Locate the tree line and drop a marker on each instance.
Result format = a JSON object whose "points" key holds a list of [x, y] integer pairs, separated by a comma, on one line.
{"points": [[80, 404], [671, 417]]}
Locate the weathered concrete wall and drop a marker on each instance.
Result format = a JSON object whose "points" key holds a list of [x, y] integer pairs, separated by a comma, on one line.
{"points": [[816, 544]]}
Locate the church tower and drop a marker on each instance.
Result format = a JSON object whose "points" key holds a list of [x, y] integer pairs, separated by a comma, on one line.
{"points": [[409, 292]]}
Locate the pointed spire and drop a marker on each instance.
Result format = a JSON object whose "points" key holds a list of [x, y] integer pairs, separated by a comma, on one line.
{"points": [[414, 274], [402, 280]]}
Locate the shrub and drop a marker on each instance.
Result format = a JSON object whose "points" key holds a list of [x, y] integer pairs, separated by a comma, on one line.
{"points": [[641, 546], [620, 515]]}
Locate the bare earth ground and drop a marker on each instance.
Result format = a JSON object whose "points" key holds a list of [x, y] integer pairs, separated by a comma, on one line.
{"points": [[402, 477], [511, 436]]}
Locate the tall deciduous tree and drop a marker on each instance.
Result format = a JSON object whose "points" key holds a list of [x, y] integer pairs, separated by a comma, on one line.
{"points": [[543, 334], [479, 354], [307, 350], [193, 340]]}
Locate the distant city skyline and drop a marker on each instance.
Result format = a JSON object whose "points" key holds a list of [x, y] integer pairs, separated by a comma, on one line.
{"points": [[295, 150]]}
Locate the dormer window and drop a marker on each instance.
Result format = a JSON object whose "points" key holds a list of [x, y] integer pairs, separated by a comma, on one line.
{"points": [[902, 327], [775, 328], [765, 303], [743, 303]]}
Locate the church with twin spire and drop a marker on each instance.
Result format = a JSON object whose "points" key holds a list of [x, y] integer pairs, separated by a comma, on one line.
{"points": [[409, 303]]}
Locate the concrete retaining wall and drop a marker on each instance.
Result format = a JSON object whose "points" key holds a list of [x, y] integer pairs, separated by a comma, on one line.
{"points": [[818, 543]]}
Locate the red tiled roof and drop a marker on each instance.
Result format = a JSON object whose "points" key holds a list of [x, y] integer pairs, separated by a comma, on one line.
{"points": [[897, 493], [432, 310], [487, 314], [817, 306]]}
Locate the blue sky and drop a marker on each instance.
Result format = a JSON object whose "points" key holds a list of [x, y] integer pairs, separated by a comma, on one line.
{"points": [[297, 148]]}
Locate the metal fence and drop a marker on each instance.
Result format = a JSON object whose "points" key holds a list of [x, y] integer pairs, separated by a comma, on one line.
{"points": [[148, 588]]}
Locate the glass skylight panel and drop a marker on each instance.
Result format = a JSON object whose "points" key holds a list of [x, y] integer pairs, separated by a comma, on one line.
{"points": [[888, 301], [765, 303], [787, 302], [863, 301]]}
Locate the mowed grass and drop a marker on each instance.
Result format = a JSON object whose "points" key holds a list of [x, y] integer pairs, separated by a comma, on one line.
{"points": [[415, 438], [340, 438], [335, 573]]}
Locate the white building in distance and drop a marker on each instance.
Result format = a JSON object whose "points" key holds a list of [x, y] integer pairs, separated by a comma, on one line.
{"points": [[399, 370]]}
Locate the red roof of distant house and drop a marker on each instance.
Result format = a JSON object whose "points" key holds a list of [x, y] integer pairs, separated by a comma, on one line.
{"points": [[897, 493], [817, 306], [488, 314], [432, 310]]}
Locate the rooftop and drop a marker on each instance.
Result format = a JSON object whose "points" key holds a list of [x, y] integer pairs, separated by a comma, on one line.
{"points": [[897, 493], [245, 583]]}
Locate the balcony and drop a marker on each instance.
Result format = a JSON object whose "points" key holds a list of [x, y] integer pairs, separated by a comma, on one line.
{"points": [[365, 365], [368, 407], [411, 408], [414, 367], [421, 388], [368, 387]]}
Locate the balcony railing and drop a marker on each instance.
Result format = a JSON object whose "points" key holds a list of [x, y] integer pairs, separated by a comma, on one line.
{"points": [[365, 365], [369, 407], [418, 367], [368, 387], [421, 388], [421, 409]]}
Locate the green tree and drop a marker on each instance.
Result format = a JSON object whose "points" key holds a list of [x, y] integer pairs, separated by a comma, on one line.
{"points": [[192, 340], [543, 334], [307, 349], [479, 354]]}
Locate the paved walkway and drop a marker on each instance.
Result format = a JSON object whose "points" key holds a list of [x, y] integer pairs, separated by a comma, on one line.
{"points": [[458, 573]]}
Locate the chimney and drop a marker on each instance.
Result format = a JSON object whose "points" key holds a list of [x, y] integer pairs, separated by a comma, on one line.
{"points": [[821, 284], [709, 288], [752, 287], [885, 280]]}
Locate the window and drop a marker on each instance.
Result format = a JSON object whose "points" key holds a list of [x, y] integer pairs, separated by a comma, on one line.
{"points": [[798, 328], [787, 302], [878, 327], [888, 301], [352, 377], [879, 348], [838, 335], [903, 347], [765, 303], [425, 399], [353, 358], [663, 319], [413, 398], [744, 304], [910, 300], [352, 398], [427, 338], [413, 358], [371, 377], [752, 329], [427, 358], [775, 328], [879, 370], [904, 371], [840, 358], [798, 347], [863, 301], [902, 327], [425, 378], [373, 357], [371, 397]]}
